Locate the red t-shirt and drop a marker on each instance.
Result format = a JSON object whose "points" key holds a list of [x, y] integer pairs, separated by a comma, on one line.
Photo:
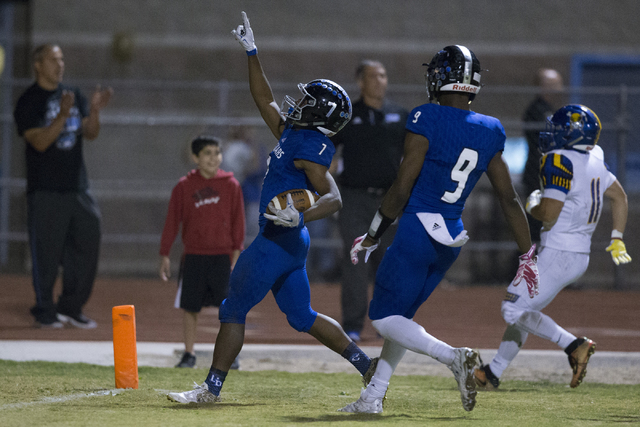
{"points": [[211, 212]]}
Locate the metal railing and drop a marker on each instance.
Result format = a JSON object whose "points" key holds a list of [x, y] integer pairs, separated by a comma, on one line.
{"points": [[219, 112]]}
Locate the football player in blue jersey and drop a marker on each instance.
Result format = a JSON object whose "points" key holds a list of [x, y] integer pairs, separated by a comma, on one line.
{"points": [[447, 149], [275, 260], [575, 181]]}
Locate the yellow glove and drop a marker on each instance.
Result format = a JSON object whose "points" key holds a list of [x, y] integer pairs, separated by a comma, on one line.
{"points": [[618, 252]]}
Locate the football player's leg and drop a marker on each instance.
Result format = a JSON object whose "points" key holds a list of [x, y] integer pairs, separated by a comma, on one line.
{"points": [[390, 356], [410, 270], [512, 341], [557, 270], [293, 297], [251, 279], [371, 398]]}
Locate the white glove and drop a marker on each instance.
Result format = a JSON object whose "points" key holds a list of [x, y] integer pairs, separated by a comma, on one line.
{"points": [[528, 271], [533, 200], [244, 34], [287, 217], [357, 247]]}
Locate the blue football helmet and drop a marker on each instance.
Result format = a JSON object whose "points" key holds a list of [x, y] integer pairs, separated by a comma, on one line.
{"points": [[573, 126], [324, 106], [453, 69]]}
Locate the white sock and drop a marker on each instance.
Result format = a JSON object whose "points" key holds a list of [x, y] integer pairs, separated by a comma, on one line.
{"points": [[413, 337], [512, 341], [507, 351], [390, 356], [375, 390], [545, 327]]}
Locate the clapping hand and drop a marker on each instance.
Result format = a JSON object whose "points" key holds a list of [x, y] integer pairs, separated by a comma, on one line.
{"points": [[67, 100], [100, 98]]}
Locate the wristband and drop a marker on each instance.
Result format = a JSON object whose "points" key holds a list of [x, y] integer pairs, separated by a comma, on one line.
{"points": [[379, 225], [252, 52], [615, 234]]}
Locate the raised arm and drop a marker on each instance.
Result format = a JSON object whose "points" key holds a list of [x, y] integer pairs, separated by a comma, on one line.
{"points": [[258, 83]]}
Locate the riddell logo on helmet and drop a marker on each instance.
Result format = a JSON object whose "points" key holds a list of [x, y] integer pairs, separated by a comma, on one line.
{"points": [[465, 88]]}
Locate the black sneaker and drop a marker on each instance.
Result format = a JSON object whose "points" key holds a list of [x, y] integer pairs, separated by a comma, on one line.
{"points": [[188, 361], [79, 321], [48, 324], [45, 319], [485, 379]]}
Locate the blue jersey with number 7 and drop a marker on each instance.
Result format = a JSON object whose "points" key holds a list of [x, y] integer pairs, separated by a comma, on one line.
{"points": [[461, 145], [282, 174]]}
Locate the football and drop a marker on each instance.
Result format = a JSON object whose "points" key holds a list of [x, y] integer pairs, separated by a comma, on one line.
{"points": [[302, 198]]}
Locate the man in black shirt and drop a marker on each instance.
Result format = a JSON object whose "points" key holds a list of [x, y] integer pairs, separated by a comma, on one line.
{"points": [[544, 105], [63, 219], [371, 145]]}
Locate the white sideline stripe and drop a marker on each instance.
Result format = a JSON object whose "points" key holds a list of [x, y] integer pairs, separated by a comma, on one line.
{"points": [[609, 367], [60, 399], [101, 352]]}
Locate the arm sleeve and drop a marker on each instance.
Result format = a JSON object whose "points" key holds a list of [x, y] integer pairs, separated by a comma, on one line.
{"points": [[238, 220], [25, 117], [172, 223]]}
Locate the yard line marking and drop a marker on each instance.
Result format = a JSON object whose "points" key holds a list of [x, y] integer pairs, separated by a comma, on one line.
{"points": [[60, 399]]}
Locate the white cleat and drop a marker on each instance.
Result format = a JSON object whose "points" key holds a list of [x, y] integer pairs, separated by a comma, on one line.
{"points": [[462, 368], [363, 406], [199, 394]]}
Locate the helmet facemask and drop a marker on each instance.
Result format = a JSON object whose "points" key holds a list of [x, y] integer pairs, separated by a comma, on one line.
{"points": [[324, 106], [292, 108]]}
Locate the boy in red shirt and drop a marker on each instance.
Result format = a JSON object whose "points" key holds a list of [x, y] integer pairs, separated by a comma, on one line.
{"points": [[208, 203]]}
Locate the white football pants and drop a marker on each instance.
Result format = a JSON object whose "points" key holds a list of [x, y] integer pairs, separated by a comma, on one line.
{"points": [[557, 269]]}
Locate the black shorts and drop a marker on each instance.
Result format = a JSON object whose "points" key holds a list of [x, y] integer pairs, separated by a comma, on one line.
{"points": [[203, 281]]}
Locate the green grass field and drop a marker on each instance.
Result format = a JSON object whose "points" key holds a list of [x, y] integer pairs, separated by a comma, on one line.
{"points": [[60, 394]]}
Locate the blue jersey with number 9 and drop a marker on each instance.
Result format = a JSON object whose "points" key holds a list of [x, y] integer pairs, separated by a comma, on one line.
{"points": [[461, 145], [282, 174]]}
